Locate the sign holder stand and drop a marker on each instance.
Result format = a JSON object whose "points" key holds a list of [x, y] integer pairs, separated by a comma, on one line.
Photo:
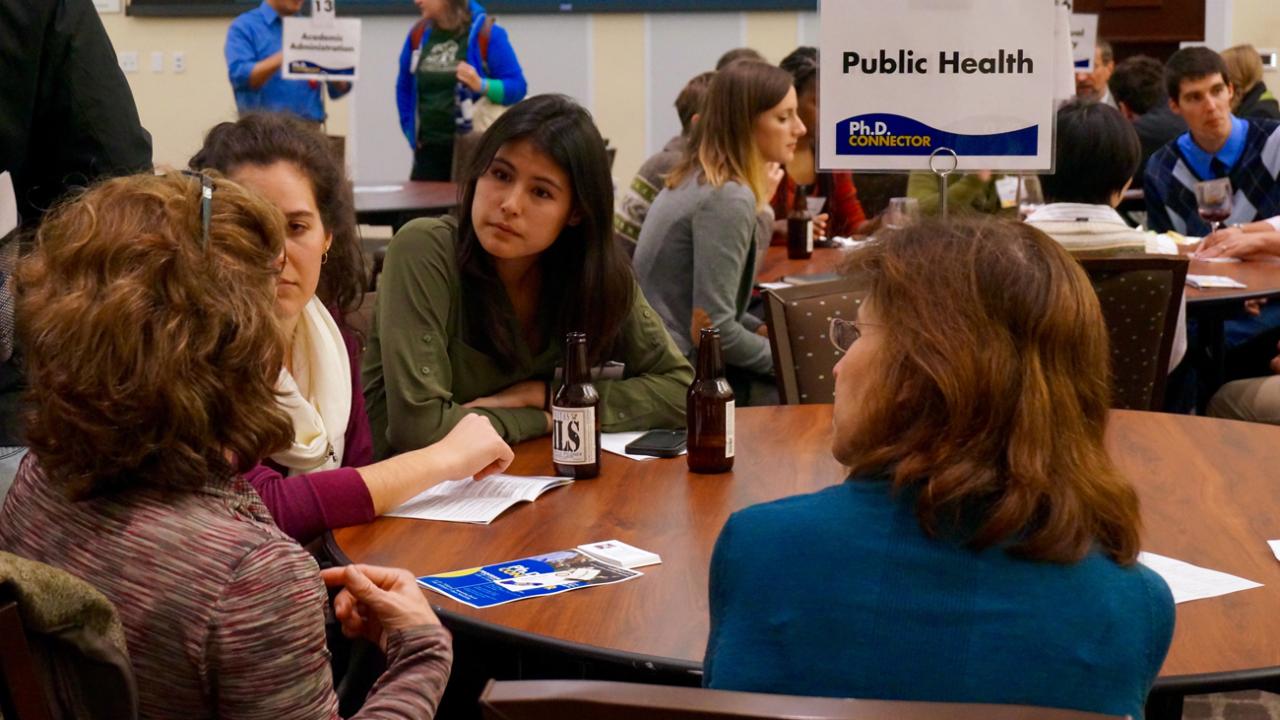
{"points": [[942, 176]]}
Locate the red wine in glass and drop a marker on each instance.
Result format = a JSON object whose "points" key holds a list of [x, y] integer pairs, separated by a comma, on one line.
{"points": [[1215, 215]]}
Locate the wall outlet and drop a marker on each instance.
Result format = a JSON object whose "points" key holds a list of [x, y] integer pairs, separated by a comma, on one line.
{"points": [[1270, 59], [179, 61], [157, 61], [128, 61]]}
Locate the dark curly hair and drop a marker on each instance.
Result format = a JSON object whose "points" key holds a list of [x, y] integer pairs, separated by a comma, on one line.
{"points": [[143, 369], [267, 138]]}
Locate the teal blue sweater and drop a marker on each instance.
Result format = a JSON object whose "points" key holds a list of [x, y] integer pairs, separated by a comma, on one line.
{"points": [[841, 594]]}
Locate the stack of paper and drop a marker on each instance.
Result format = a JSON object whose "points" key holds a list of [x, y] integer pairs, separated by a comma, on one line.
{"points": [[616, 552], [473, 501], [1203, 282]]}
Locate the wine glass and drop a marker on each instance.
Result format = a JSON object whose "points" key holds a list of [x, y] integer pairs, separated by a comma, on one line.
{"points": [[902, 211], [1030, 195], [1214, 200]]}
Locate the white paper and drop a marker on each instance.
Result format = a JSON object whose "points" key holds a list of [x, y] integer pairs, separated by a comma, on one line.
{"points": [[976, 77], [472, 501], [1190, 582], [1213, 281], [321, 49], [762, 286], [1217, 259], [107, 6], [1275, 547], [616, 443], [378, 188]]}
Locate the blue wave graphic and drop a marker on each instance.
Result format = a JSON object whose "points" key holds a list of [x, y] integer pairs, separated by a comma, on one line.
{"points": [[1082, 64], [306, 67], [886, 134]]}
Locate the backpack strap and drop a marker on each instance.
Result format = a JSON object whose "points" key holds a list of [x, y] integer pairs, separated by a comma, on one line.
{"points": [[486, 31], [415, 35]]}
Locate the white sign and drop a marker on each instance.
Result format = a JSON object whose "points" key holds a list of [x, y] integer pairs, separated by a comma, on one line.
{"points": [[321, 47], [107, 6], [905, 79], [1084, 39]]}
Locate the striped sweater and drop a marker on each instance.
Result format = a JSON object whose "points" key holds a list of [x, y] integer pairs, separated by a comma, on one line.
{"points": [[223, 614]]}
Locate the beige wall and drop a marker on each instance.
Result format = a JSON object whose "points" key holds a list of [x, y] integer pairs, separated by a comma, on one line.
{"points": [[1257, 22], [179, 108]]}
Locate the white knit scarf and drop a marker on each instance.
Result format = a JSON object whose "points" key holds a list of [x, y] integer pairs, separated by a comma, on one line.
{"points": [[317, 395]]}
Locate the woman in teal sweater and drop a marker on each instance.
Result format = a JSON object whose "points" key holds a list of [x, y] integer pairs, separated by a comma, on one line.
{"points": [[984, 546], [472, 312]]}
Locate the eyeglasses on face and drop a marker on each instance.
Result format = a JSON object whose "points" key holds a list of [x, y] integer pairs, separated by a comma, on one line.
{"points": [[843, 332]]}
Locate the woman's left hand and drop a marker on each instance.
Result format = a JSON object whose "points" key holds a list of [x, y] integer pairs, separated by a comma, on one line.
{"points": [[468, 76], [820, 225], [530, 393]]}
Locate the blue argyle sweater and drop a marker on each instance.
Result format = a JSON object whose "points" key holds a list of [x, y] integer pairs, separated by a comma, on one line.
{"points": [[1170, 184]]}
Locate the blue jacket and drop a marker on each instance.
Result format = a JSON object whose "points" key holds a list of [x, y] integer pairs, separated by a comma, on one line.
{"points": [[841, 594], [503, 66]]}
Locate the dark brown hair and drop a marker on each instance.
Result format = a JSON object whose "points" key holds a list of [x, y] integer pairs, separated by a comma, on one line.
{"points": [[1097, 154], [689, 101], [1192, 63], [144, 368], [268, 138], [991, 407], [587, 283]]}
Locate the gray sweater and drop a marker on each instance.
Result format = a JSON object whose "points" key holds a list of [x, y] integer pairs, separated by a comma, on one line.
{"points": [[697, 249]]}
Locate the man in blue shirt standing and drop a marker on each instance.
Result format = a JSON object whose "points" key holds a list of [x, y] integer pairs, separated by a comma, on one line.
{"points": [[254, 58], [1218, 144]]}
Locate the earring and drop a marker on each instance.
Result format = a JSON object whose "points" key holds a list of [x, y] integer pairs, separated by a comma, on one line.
{"points": [[324, 258]]}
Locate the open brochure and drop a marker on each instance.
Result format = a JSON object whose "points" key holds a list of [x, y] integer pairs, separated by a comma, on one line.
{"points": [[505, 582], [476, 501]]}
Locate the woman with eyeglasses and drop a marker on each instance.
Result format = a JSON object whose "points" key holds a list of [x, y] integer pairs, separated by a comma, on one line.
{"points": [[326, 477], [153, 352], [984, 546]]}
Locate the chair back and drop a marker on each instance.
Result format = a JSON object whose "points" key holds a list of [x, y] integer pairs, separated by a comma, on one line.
{"points": [[1140, 297], [595, 700], [21, 691], [798, 318]]}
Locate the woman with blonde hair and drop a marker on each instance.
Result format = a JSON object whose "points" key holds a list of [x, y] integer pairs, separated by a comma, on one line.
{"points": [[1252, 98], [697, 249], [152, 349], [984, 547]]}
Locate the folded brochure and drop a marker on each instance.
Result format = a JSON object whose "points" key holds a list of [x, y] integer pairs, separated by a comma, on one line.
{"points": [[476, 501], [505, 582]]}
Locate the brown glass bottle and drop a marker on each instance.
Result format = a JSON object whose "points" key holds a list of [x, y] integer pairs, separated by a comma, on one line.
{"points": [[800, 226], [709, 410], [575, 417]]}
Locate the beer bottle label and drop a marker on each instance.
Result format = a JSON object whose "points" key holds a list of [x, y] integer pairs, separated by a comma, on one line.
{"points": [[808, 240], [728, 429], [573, 435]]}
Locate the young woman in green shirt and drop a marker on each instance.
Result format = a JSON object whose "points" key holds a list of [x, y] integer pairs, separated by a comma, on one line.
{"points": [[472, 311]]}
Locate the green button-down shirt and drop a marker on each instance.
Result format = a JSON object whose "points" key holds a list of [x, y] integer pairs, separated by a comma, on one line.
{"points": [[419, 372]]}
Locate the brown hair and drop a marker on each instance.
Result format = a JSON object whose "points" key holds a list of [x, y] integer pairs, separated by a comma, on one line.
{"points": [[152, 358], [268, 138], [992, 407], [1244, 70], [689, 101], [722, 144]]}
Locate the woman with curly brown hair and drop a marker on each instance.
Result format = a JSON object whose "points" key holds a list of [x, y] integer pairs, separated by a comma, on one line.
{"points": [[152, 387], [326, 478], [984, 546]]}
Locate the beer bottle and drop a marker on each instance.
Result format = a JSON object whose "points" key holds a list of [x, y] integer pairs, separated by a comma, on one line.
{"points": [[800, 226], [709, 410], [575, 420]]}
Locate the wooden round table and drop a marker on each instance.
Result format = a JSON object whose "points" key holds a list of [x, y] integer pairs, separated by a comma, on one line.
{"points": [[379, 204], [1209, 497]]}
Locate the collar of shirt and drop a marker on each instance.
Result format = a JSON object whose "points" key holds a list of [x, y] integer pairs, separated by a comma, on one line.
{"points": [[269, 14], [1076, 212], [1229, 155]]}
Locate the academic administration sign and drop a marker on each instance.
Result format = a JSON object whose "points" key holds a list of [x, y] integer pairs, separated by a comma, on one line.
{"points": [[902, 80]]}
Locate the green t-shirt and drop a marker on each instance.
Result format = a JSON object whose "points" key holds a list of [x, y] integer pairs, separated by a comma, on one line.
{"points": [[419, 370], [437, 77]]}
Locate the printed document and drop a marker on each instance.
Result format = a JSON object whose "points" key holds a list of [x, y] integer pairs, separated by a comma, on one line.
{"points": [[476, 501], [1189, 582]]}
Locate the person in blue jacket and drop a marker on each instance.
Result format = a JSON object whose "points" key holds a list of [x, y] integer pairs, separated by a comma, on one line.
{"points": [[452, 58]]}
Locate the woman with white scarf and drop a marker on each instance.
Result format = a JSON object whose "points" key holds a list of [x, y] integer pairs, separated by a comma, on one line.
{"points": [[324, 480]]}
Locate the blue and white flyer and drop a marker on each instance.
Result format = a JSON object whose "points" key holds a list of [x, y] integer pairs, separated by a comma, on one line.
{"points": [[529, 577], [903, 80]]}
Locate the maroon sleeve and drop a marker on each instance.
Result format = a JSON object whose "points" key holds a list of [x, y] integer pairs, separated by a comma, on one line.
{"points": [[846, 212], [781, 202], [305, 506]]}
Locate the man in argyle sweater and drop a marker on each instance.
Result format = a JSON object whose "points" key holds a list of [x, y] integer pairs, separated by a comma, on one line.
{"points": [[1217, 145]]}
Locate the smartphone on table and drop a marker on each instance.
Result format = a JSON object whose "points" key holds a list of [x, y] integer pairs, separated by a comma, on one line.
{"points": [[658, 443]]}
